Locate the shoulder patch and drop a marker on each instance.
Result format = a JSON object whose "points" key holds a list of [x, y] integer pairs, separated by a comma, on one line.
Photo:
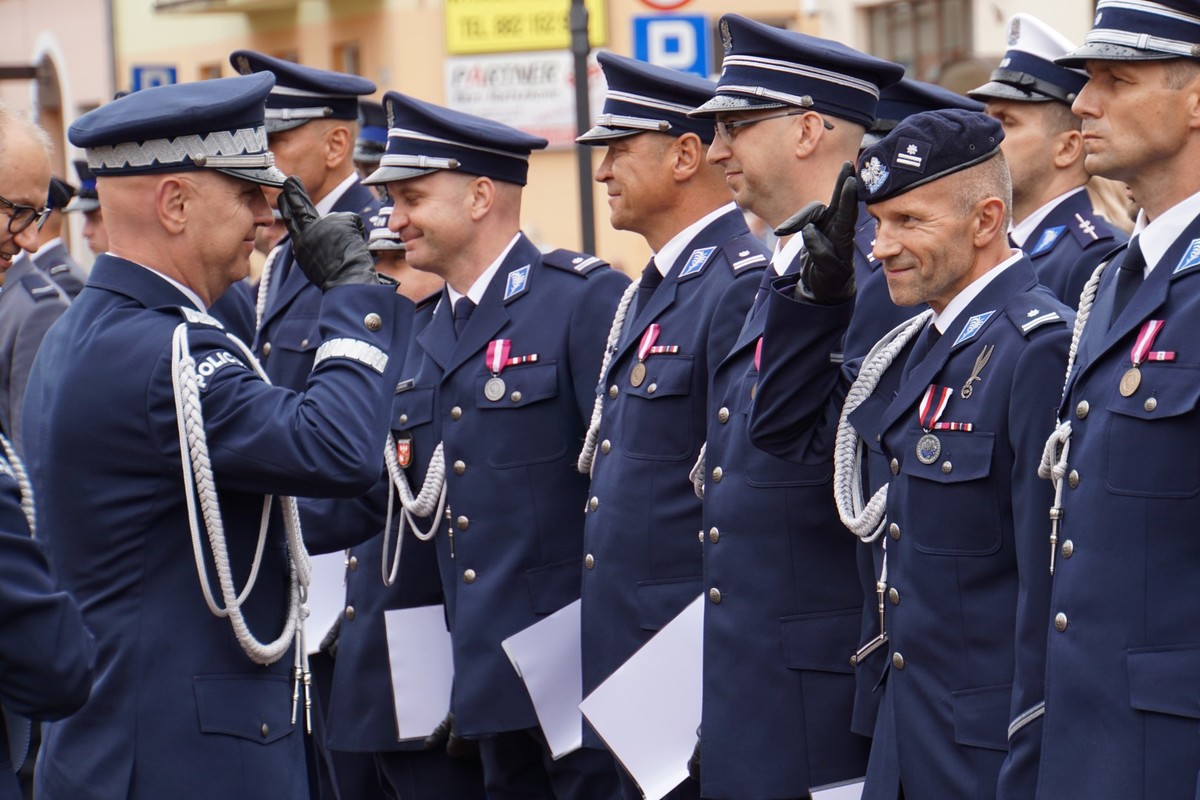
{"points": [[194, 317], [573, 261], [208, 366], [1032, 311], [696, 262], [1088, 228], [745, 253], [1047, 240], [39, 287]]}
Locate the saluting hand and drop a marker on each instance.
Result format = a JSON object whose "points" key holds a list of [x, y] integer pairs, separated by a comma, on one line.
{"points": [[330, 249], [827, 275]]}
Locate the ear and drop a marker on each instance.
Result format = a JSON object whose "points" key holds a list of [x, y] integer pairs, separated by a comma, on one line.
{"points": [[1068, 149], [481, 194], [1192, 103], [990, 215], [172, 196], [809, 128], [687, 153], [338, 144]]}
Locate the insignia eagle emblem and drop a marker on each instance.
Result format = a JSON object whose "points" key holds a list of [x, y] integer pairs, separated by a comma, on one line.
{"points": [[726, 37], [873, 174]]}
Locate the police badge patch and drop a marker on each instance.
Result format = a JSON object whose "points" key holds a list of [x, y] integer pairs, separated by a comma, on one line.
{"points": [[517, 279], [1191, 257], [873, 174], [404, 449]]}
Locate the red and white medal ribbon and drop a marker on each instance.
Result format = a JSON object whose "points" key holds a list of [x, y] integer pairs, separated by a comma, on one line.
{"points": [[933, 404], [758, 355], [497, 355], [648, 340], [1145, 340]]}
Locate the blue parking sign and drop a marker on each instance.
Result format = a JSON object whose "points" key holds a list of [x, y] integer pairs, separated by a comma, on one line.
{"points": [[677, 41], [147, 76]]}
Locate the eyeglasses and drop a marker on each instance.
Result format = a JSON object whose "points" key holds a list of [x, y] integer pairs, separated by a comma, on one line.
{"points": [[726, 130], [21, 217]]}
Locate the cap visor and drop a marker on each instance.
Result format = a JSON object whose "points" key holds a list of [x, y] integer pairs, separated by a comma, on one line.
{"points": [[82, 204], [267, 176], [389, 174], [1099, 51], [380, 245], [278, 125], [733, 102], [601, 134], [995, 90]]}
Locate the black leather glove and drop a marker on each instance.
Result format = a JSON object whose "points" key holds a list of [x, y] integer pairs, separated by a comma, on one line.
{"points": [[330, 249], [693, 764], [456, 746], [827, 274]]}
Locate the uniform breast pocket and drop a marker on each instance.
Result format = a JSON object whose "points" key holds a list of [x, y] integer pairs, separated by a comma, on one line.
{"points": [[522, 423], [959, 506], [1160, 418], [297, 335], [412, 409], [658, 421]]}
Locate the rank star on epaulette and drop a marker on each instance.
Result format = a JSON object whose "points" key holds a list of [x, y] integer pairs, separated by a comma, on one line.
{"points": [[1087, 226], [1033, 312]]}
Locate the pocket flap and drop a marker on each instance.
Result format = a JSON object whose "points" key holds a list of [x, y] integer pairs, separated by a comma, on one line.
{"points": [[821, 642], [981, 716], [666, 376], [523, 385], [1166, 390], [553, 586], [299, 334], [412, 408], [253, 707], [659, 602], [962, 457], [1163, 679]]}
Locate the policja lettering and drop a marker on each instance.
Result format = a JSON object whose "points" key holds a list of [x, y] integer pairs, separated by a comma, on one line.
{"points": [[211, 363]]}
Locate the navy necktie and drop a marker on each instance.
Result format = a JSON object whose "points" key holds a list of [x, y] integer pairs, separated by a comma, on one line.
{"points": [[651, 278], [1131, 273], [926, 340], [462, 312]]}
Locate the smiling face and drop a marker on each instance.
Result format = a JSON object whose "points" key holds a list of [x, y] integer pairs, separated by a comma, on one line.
{"points": [[753, 157], [24, 180], [637, 173], [432, 215], [224, 214]]}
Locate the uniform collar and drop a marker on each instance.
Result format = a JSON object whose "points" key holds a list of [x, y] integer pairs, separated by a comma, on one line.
{"points": [[188, 293], [327, 202], [665, 258], [1021, 232], [944, 320], [481, 283], [786, 252], [1156, 236]]}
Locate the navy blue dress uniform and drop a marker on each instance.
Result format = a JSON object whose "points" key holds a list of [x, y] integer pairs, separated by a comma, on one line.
{"points": [[779, 570], [53, 258], [643, 563], [287, 335], [1124, 637], [178, 709], [30, 302], [510, 550], [965, 521], [48, 655], [1069, 239]]}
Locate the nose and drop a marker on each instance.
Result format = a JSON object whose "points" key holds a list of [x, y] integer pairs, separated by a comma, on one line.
{"points": [[604, 171], [262, 210], [718, 151], [397, 219], [28, 238], [1085, 105], [886, 245]]}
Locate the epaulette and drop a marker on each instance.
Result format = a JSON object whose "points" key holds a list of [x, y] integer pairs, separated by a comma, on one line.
{"points": [[40, 287], [195, 317], [1031, 311], [1088, 228], [745, 253], [58, 269], [573, 261]]}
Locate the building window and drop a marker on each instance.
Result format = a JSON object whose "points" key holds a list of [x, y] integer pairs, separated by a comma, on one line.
{"points": [[347, 58], [923, 35]]}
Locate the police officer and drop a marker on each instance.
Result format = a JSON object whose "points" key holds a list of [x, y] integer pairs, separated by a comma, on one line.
{"points": [[372, 138], [642, 562], [29, 300], [361, 716], [769, 526], [1053, 219], [507, 382], [1124, 635], [87, 203], [189, 704], [949, 410], [51, 255]]}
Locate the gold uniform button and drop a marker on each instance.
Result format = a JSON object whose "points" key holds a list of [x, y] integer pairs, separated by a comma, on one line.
{"points": [[714, 594], [946, 467], [469, 576], [589, 561], [894, 531], [723, 415], [352, 563], [594, 503], [897, 661], [459, 467], [1060, 622], [349, 612], [266, 730], [717, 474], [1150, 404], [605, 447], [373, 321], [456, 413], [612, 391], [894, 597], [895, 467], [266, 349], [652, 388], [463, 523], [714, 535], [1068, 548], [1082, 409], [515, 397], [1073, 479], [404, 419]]}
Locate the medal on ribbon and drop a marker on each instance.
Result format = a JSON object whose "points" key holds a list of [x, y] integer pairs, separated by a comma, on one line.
{"points": [[1141, 353], [929, 446], [637, 375], [497, 358], [757, 366]]}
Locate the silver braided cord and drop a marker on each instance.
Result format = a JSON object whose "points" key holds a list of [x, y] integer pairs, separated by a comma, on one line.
{"points": [[200, 489], [24, 485], [264, 286], [865, 519], [699, 472], [429, 502], [588, 453]]}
